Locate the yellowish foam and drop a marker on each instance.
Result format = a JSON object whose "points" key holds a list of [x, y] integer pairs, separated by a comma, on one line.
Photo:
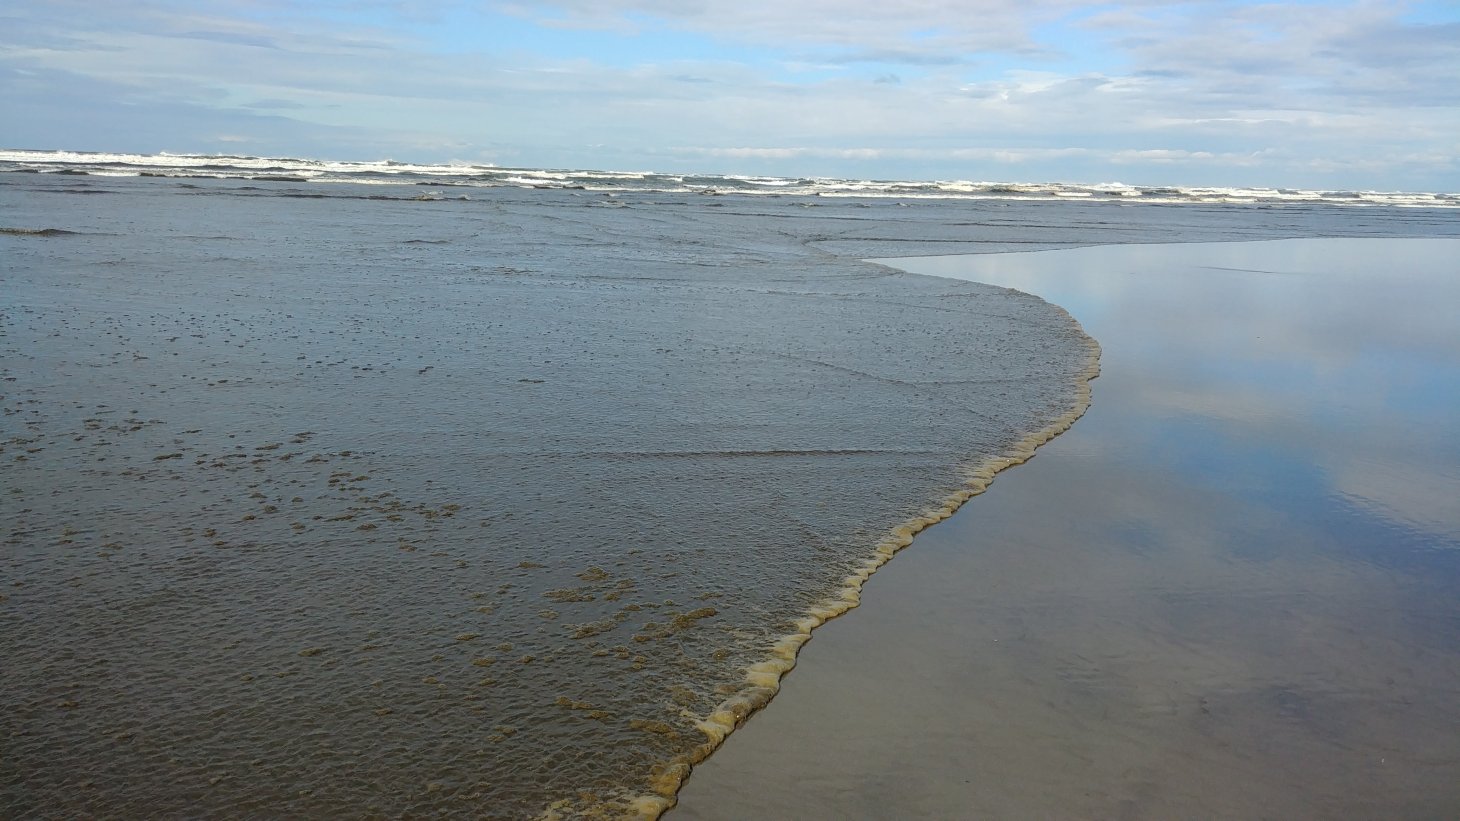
{"points": [[764, 677]]}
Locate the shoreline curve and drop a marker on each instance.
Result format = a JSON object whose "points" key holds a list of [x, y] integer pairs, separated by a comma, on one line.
{"points": [[764, 677]]}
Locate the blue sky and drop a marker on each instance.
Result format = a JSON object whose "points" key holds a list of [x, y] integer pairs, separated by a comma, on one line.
{"points": [[1332, 94]]}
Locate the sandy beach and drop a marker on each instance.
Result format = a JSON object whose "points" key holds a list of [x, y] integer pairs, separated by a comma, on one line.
{"points": [[1226, 592]]}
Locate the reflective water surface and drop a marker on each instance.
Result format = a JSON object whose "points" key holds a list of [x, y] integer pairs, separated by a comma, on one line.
{"points": [[1309, 369], [1231, 590]]}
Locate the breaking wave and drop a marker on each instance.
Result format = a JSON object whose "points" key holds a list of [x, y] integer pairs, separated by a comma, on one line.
{"points": [[296, 170]]}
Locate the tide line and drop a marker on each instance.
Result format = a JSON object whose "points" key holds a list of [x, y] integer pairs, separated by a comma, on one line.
{"points": [[763, 679]]}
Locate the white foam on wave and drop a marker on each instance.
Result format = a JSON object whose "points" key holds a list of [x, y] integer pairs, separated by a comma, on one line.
{"points": [[477, 174]]}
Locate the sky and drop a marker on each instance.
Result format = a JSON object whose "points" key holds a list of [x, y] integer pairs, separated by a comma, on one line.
{"points": [[1327, 94]]}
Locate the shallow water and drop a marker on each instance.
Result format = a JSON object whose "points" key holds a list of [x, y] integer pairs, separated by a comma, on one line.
{"points": [[320, 503], [1229, 591]]}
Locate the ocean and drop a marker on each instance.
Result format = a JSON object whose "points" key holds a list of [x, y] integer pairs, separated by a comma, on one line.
{"points": [[388, 489]]}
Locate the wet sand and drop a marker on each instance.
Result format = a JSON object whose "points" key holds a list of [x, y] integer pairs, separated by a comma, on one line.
{"points": [[1228, 591]]}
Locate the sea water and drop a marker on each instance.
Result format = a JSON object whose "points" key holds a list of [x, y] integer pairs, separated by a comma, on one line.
{"points": [[345, 497]]}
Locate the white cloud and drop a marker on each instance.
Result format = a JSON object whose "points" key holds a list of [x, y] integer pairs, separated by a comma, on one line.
{"points": [[1339, 95], [935, 25]]}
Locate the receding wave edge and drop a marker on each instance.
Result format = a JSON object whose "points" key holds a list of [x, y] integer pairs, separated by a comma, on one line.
{"points": [[764, 677]]}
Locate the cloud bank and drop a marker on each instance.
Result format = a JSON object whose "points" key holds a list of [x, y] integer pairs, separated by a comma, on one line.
{"points": [[1351, 94]]}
